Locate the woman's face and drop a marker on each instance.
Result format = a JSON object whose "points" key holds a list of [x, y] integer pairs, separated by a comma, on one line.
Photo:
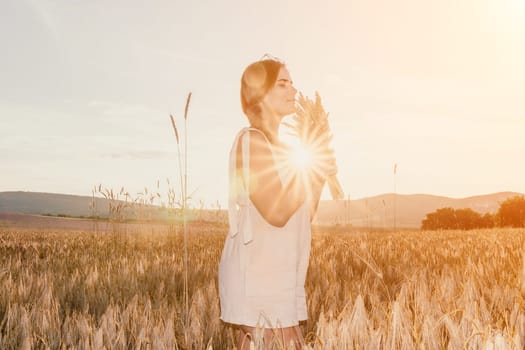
{"points": [[280, 99]]}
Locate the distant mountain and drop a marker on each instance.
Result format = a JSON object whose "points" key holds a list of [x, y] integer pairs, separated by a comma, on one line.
{"points": [[80, 206], [408, 210], [50, 203], [378, 211]]}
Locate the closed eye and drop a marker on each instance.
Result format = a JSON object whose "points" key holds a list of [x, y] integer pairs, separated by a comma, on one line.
{"points": [[284, 82]]}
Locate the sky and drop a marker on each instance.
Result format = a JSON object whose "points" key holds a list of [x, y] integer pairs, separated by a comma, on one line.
{"points": [[87, 87]]}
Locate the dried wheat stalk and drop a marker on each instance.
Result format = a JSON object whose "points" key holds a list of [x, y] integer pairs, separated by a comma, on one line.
{"points": [[312, 128]]}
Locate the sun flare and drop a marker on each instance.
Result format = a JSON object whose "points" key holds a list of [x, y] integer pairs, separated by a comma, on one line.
{"points": [[301, 158]]}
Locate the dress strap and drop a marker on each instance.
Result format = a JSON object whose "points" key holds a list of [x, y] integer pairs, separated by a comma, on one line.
{"points": [[239, 196]]}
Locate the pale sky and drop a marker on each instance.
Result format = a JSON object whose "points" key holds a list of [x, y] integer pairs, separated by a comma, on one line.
{"points": [[86, 89]]}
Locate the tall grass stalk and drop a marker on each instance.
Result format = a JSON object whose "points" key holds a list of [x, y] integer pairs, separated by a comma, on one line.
{"points": [[185, 203], [184, 193], [395, 197], [179, 157]]}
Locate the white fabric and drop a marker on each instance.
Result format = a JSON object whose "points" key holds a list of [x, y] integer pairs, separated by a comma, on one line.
{"points": [[263, 267]]}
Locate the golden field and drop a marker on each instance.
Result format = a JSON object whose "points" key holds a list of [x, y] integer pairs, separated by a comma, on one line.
{"points": [[405, 290]]}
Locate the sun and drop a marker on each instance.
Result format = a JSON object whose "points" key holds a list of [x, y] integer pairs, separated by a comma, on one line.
{"points": [[301, 158]]}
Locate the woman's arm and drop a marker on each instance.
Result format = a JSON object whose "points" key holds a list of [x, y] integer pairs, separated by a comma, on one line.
{"points": [[316, 184], [275, 202], [324, 166]]}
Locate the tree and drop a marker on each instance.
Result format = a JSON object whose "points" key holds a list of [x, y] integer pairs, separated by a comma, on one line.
{"points": [[456, 219], [488, 220], [443, 218], [467, 219], [512, 212]]}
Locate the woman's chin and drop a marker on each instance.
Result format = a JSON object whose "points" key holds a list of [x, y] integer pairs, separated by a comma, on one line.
{"points": [[289, 111]]}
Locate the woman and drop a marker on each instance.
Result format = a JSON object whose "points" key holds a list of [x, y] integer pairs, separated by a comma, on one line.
{"points": [[263, 265]]}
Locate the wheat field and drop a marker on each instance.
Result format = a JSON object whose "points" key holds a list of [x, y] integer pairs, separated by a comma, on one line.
{"points": [[403, 290]]}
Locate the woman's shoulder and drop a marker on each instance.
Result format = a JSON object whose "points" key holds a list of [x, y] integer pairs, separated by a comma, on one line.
{"points": [[255, 142], [255, 137], [251, 131]]}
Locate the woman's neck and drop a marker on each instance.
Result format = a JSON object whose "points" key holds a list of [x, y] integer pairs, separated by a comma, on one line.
{"points": [[271, 124]]}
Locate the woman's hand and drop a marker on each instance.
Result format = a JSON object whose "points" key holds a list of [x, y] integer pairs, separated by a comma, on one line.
{"points": [[326, 164]]}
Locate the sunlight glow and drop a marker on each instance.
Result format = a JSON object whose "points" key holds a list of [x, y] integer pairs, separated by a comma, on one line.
{"points": [[301, 158]]}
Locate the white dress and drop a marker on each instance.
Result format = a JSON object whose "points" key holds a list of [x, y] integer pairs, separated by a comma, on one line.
{"points": [[263, 267]]}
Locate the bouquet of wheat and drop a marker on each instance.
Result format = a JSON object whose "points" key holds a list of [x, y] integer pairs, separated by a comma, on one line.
{"points": [[310, 125]]}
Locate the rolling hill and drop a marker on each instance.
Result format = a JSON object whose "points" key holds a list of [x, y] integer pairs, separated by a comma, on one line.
{"points": [[408, 210], [375, 212], [49, 203]]}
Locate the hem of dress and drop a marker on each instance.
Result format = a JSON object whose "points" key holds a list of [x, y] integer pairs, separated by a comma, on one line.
{"points": [[250, 324]]}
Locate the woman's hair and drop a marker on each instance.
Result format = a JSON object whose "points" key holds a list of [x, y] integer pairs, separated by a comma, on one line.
{"points": [[258, 78]]}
